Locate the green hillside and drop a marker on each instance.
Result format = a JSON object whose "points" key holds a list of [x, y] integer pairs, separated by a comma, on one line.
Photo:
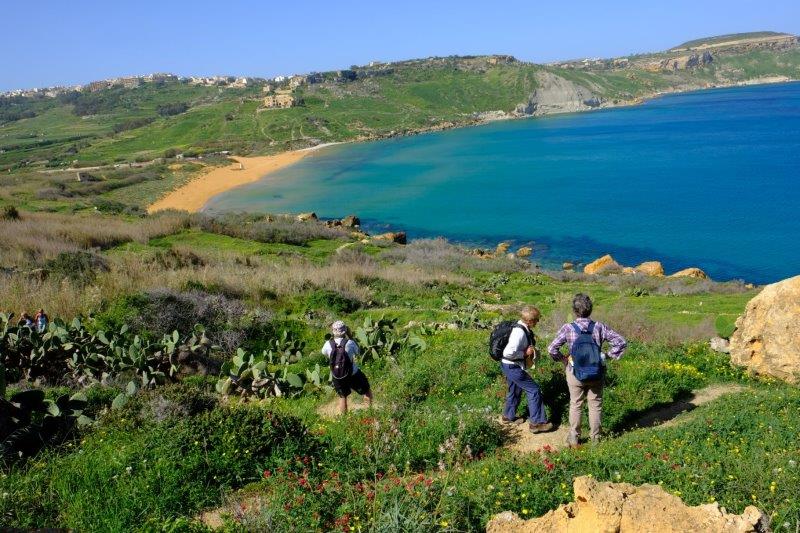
{"points": [[151, 439]]}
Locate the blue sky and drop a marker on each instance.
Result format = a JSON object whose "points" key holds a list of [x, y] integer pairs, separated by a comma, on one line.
{"points": [[51, 42]]}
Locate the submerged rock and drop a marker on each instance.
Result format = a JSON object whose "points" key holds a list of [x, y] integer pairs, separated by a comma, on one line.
{"points": [[767, 339], [625, 508]]}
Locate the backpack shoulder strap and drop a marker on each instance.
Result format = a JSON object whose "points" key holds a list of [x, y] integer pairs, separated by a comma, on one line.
{"points": [[576, 327], [590, 329], [332, 341]]}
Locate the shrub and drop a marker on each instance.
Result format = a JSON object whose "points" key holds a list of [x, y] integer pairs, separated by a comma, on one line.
{"points": [[167, 110], [333, 301], [9, 212], [80, 267]]}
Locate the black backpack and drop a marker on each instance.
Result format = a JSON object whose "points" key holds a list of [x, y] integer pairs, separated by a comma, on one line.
{"points": [[498, 340], [587, 364], [341, 365]]}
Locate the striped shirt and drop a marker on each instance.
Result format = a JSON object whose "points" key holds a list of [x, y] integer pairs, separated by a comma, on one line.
{"points": [[601, 333]]}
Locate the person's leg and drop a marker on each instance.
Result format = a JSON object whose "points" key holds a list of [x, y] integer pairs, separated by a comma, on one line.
{"points": [[343, 405], [595, 400], [361, 385], [576, 396], [524, 381], [513, 395]]}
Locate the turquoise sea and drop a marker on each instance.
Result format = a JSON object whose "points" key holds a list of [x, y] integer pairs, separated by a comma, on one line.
{"points": [[708, 179]]}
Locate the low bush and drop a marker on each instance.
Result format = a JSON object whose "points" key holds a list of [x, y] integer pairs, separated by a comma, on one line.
{"points": [[158, 471], [79, 267], [332, 301]]}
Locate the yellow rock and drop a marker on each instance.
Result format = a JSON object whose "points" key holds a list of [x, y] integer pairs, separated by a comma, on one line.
{"points": [[766, 339], [628, 270], [525, 251], [625, 508], [692, 272], [650, 268], [305, 217], [502, 248], [568, 265], [601, 265]]}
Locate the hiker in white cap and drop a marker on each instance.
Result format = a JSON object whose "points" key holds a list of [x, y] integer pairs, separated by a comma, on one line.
{"points": [[345, 374]]}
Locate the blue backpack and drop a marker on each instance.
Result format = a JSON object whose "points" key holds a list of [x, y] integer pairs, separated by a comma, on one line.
{"points": [[587, 364]]}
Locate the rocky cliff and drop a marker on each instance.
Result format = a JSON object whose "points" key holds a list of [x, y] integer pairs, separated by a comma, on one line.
{"points": [[555, 94]]}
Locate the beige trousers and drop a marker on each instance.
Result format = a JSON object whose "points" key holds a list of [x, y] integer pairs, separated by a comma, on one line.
{"points": [[578, 393]]}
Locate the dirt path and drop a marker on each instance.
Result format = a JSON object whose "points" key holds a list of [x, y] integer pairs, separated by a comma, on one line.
{"points": [[521, 440], [330, 410]]}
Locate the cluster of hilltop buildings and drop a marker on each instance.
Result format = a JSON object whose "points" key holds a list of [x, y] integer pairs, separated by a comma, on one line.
{"points": [[131, 82]]}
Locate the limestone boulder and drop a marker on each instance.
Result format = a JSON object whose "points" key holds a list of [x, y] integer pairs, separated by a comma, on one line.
{"points": [[398, 237], [767, 337], [525, 251], [625, 508], [502, 248], [718, 344], [351, 221], [602, 265], [692, 272], [305, 217], [568, 266], [650, 268]]}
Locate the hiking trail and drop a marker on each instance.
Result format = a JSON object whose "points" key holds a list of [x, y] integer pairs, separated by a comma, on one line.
{"points": [[521, 440]]}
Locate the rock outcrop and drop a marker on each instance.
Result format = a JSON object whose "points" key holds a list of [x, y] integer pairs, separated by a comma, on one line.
{"points": [[555, 94], [351, 221], [398, 237], [624, 508], [692, 272], [305, 217], [602, 265], [502, 249], [568, 266], [525, 251], [650, 268], [767, 337]]}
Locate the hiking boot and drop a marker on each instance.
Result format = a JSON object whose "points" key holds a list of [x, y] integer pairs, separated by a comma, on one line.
{"points": [[513, 421], [540, 428]]}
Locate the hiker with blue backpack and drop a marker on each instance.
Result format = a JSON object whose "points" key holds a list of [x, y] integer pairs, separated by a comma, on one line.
{"points": [[514, 346], [341, 351], [585, 364]]}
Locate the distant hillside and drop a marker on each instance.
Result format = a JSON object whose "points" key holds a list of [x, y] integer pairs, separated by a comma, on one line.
{"points": [[729, 38], [162, 116]]}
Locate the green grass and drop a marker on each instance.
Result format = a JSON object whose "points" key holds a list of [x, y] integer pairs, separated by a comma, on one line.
{"points": [[316, 250]]}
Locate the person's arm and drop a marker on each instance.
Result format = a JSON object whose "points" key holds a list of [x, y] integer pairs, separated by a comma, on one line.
{"points": [[326, 349], [515, 349], [555, 347], [617, 342]]}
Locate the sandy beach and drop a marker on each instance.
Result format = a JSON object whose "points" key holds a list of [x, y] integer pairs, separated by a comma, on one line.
{"points": [[195, 194]]}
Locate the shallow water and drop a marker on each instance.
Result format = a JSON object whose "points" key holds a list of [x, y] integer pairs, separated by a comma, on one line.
{"points": [[707, 179]]}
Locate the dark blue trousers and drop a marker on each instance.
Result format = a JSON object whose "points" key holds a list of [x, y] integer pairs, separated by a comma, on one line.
{"points": [[519, 381]]}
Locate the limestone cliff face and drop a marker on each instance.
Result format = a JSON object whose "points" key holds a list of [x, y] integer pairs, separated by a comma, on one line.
{"points": [[555, 94]]}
